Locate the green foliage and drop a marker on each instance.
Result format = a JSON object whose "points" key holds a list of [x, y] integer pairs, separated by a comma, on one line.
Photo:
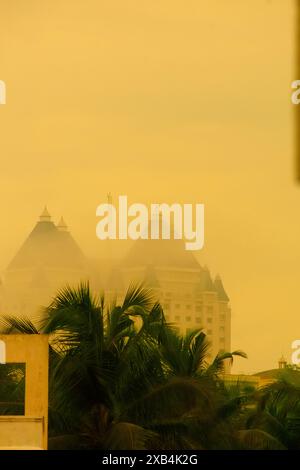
{"points": [[123, 378], [12, 389]]}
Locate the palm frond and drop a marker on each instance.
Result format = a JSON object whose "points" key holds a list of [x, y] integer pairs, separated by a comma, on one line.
{"points": [[137, 296], [256, 439], [10, 324]]}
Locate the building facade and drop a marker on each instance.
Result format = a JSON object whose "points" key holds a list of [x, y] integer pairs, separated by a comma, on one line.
{"points": [[50, 258], [190, 298]]}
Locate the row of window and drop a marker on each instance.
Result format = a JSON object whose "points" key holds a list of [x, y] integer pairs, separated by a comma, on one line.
{"points": [[197, 319], [189, 296], [198, 308]]}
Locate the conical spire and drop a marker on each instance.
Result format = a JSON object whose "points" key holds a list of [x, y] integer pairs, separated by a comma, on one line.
{"points": [[47, 247], [62, 226], [45, 216], [218, 284]]}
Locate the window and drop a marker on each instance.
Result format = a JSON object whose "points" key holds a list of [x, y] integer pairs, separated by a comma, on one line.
{"points": [[177, 306], [187, 318], [209, 332], [210, 309], [209, 320], [222, 340], [198, 308], [222, 317], [188, 307], [177, 318], [12, 390], [222, 329], [198, 320]]}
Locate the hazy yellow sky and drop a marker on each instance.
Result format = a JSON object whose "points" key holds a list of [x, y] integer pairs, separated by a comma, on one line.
{"points": [[165, 101]]}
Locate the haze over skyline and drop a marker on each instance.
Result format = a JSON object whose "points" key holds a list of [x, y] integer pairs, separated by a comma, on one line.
{"points": [[163, 104]]}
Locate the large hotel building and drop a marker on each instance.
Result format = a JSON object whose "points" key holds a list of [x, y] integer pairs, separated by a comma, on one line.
{"points": [[50, 258]]}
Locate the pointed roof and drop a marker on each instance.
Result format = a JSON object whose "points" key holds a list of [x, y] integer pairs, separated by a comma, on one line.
{"points": [[48, 247], [160, 253], [218, 284], [45, 216], [62, 226]]}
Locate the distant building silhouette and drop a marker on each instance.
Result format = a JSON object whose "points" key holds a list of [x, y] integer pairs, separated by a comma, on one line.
{"points": [[50, 258], [189, 296]]}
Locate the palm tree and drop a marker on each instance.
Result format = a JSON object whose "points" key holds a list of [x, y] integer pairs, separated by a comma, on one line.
{"points": [[120, 376], [277, 414]]}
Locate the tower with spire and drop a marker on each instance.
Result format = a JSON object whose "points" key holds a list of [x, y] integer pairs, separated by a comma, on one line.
{"points": [[62, 226], [48, 259], [190, 297], [45, 216]]}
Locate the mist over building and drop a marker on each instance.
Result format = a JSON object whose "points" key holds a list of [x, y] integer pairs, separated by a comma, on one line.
{"points": [[189, 296], [50, 258]]}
